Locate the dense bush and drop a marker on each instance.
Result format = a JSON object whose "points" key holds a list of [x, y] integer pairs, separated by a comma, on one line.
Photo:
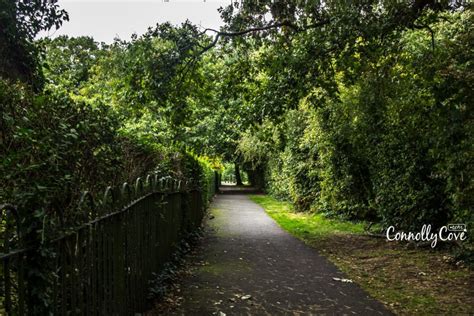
{"points": [[395, 144], [292, 172], [53, 148]]}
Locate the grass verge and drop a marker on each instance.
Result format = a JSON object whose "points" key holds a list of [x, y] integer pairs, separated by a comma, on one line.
{"points": [[408, 281]]}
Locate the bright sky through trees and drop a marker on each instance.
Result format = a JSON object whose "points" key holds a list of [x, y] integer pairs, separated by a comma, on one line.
{"points": [[105, 20]]}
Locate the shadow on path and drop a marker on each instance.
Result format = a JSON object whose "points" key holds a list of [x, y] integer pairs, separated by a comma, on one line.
{"points": [[234, 189], [248, 265]]}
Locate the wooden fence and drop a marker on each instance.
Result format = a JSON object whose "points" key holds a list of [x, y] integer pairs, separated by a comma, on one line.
{"points": [[104, 265]]}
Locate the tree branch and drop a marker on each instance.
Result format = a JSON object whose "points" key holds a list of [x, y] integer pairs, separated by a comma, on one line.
{"points": [[426, 26], [220, 34], [190, 63]]}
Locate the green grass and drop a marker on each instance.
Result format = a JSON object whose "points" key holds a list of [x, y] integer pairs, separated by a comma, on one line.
{"points": [[304, 225]]}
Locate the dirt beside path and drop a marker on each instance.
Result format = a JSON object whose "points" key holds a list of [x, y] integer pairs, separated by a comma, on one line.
{"points": [[248, 265]]}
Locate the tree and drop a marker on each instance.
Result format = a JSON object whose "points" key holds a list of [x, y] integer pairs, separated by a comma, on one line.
{"points": [[68, 62], [20, 22]]}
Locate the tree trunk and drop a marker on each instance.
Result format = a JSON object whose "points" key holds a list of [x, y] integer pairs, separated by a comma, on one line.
{"points": [[238, 179], [257, 178], [217, 181]]}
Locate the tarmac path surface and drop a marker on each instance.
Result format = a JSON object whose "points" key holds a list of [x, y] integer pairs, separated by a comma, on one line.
{"points": [[248, 265]]}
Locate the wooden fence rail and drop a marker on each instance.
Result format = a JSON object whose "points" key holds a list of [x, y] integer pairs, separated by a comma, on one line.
{"points": [[104, 265]]}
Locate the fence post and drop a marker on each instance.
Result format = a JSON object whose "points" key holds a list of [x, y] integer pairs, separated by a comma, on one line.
{"points": [[11, 213]]}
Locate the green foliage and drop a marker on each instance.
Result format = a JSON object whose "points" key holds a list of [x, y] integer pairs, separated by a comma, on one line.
{"points": [[291, 172], [343, 172], [393, 145], [52, 148], [207, 179], [20, 22], [110, 107], [68, 62], [149, 81], [256, 146]]}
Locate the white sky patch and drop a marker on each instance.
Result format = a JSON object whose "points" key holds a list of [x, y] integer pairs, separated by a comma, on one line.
{"points": [[105, 20]]}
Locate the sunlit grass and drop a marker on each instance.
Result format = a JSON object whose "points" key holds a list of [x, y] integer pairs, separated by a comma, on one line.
{"points": [[304, 225]]}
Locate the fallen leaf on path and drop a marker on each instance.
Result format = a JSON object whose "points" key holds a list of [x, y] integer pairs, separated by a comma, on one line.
{"points": [[343, 280]]}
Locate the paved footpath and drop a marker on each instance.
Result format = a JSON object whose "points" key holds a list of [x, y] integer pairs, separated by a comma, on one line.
{"points": [[248, 265]]}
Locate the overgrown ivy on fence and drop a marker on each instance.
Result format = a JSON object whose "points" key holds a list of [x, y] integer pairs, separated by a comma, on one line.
{"points": [[99, 262]]}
